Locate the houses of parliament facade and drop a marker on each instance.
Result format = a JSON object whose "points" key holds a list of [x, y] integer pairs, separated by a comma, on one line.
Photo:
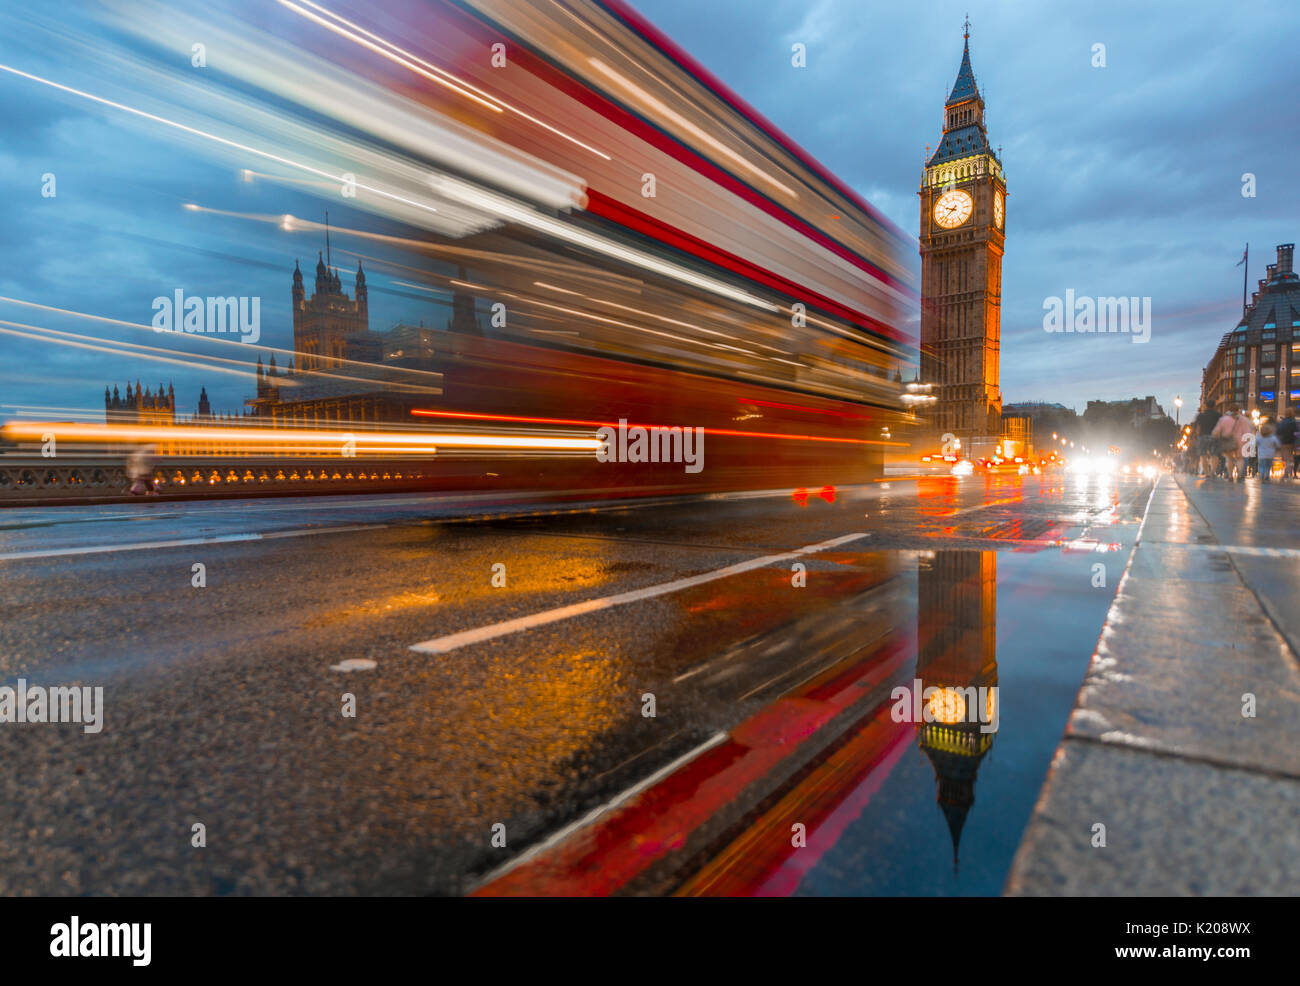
{"points": [[344, 372]]}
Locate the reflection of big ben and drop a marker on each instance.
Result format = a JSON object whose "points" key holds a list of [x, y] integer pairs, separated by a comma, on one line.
{"points": [[957, 654], [963, 213]]}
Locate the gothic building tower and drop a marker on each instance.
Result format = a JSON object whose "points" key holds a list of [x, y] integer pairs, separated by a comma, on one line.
{"points": [[325, 323], [140, 406], [963, 213]]}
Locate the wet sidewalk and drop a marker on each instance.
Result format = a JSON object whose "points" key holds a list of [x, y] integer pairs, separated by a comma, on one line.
{"points": [[1183, 750]]}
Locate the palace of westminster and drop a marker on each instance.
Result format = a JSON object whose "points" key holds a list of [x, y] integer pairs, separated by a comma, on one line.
{"points": [[344, 372]]}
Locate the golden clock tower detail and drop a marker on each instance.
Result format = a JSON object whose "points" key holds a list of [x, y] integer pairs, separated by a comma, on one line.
{"points": [[963, 215]]}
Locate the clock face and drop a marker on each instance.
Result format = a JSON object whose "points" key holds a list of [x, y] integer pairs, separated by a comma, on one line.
{"points": [[952, 208], [946, 705], [997, 209]]}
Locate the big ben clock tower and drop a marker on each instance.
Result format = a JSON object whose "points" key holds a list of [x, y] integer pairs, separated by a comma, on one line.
{"points": [[963, 214]]}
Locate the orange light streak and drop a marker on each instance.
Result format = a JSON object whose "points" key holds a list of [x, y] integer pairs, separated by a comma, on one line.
{"points": [[256, 437]]}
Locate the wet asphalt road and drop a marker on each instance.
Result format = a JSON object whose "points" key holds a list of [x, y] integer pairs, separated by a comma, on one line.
{"points": [[223, 704]]}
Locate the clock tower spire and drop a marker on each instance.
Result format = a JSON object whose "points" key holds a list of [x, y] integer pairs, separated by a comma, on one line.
{"points": [[962, 236]]}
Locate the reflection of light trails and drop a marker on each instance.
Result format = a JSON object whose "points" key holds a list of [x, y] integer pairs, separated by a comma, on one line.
{"points": [[256, 437], [614, 424]]}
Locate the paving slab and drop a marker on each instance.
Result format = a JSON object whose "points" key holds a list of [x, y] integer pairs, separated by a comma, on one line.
{"points": [[1173, 669], [1173, 827]]}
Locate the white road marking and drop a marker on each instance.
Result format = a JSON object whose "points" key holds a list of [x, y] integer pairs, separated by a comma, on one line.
{"points": [[96, 549], [355, 664], [1244, 549], [442, 645], [982, 506], [557, 837]]}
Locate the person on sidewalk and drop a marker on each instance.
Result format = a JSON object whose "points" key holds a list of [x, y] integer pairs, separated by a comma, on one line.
{"points": [[1243, 437], [139, 470], [1227, 447], [1252, 449], [1266, 447], [1206, 447], [1286, 435]]}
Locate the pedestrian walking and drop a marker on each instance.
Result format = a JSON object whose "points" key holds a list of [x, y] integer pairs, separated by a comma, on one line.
{"points": [[1266, 447], [1243, 438], [1229, 452], [1286, 435], [139, 470], [1250, 447], [1206, 446]]}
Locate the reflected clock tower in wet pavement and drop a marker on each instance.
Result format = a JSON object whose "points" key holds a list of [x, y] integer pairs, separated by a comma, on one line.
{"points": [[957, 655]]}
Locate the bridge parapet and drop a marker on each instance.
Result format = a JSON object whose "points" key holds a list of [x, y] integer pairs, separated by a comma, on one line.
{"points": [[35, 481]]}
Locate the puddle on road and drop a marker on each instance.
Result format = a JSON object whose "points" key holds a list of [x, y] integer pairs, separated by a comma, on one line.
{"points": [[934, 808]]}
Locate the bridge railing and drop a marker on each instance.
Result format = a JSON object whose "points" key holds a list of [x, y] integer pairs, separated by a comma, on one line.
{"points": [[31, 480]]}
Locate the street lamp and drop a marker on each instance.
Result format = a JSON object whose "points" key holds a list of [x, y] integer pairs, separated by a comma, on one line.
{"points": [[1178, 407]]}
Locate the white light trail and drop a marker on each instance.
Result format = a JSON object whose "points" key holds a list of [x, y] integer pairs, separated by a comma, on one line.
{"points": [[225, 141], [411, 57], [505, 208], [663, 110]]}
